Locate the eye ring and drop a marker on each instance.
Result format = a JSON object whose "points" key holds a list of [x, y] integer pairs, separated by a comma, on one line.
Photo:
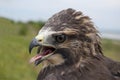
{"points": [[60, 38]]}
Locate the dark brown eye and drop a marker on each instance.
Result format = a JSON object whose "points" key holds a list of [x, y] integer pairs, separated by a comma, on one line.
{"points": [[60, 38]]}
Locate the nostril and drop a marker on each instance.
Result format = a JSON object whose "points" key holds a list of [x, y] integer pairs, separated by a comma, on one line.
{"points": [[40, 40]]}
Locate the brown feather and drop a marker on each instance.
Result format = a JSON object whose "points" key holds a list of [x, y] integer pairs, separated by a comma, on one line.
{"points": [[83, 49]]}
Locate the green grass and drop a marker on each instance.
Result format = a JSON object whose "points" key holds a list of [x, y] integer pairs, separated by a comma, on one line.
{"points": [[14, 55], [111, 48]]}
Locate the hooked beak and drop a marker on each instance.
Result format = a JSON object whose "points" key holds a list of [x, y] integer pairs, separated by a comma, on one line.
{"points": [[34, 43], [43, 52]]}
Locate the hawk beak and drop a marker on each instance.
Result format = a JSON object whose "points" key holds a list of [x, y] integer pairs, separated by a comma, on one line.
{"points": [[34, 43], [44, 50]]}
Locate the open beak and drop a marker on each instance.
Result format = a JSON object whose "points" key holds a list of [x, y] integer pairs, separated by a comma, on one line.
{"points": [[43, 52]]}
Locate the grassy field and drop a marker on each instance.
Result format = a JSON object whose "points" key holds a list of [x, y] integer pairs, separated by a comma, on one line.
{"points": [[14, 56]]}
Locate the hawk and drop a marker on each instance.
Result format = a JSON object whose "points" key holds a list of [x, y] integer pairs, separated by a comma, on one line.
{"points": [[69, 48]]}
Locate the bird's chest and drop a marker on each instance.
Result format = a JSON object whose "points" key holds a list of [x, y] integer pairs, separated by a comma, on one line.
{"points": [[58, 74]]}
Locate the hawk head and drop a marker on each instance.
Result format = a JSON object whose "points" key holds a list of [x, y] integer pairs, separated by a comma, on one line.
{"points": [[66, 38]]}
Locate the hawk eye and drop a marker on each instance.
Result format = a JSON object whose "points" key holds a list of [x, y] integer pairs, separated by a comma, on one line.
{"points": [[60, 38]]}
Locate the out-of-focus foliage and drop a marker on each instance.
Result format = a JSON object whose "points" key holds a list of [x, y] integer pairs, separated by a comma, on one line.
{"points": [[111, 48], [23, 29], [14, 56]]}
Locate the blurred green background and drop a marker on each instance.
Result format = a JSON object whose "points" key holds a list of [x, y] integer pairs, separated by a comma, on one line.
{"points": [[14, 56]]}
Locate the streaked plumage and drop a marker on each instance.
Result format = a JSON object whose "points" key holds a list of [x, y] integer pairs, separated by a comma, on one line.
{"points": [[70, 49]]}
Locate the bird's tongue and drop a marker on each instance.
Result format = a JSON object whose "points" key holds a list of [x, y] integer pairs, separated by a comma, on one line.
{"points": [[40, 55]]}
